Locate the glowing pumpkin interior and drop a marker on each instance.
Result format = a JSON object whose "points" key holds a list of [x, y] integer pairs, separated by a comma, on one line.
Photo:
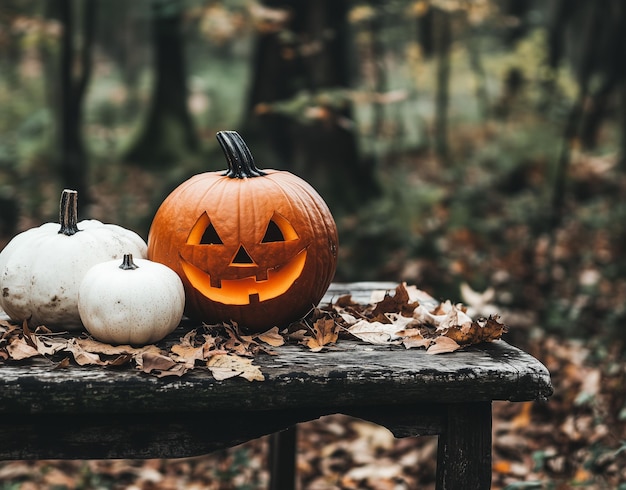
{"points": [[245, 279]]}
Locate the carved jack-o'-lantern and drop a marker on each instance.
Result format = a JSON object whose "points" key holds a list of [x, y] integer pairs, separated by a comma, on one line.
{"points": [[258, 247]]}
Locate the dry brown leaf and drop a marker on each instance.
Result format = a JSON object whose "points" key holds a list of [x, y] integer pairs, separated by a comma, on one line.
{"points": [[238, 343], [425, 317], [188, 354], [375, 332], [461, 334], [298, 335], [83, 357], [491, 328], [325, 332], [345, 301], [149, 361], [120, 360], [225, 366], [48, 346], [18, 349], [91, 345], [455, 318], [272, 337], [413, 338], [442, 345], [398, 303], [178, 370]]}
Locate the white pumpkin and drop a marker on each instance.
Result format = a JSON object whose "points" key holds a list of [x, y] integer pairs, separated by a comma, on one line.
{"points": [[138, 302], [41, 268]]}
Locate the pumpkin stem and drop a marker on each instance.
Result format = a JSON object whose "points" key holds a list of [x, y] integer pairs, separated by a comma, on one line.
{"points": [[128, 264], [68, 212], [240, 161]]}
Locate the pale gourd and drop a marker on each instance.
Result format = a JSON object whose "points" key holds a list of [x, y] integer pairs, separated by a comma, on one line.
{"points": [[137, 302], [41, 268]]}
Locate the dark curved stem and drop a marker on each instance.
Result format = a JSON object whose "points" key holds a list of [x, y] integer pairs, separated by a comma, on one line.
{"points": [[240, 161], [128, 264], [68, 212]]}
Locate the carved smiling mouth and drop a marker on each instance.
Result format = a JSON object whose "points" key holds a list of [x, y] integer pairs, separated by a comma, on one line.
{"points": [[249, 289]]}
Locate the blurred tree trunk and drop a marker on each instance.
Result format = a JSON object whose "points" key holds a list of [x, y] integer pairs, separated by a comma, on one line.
{"points": [[122, 30], [377, 55], [598, 61], [168, 133], [434, 31], [77, 20], [443, 42], [306, 58]]}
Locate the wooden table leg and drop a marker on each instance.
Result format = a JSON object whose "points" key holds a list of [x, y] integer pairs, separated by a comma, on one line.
{"points": [[282, 459], [464, 453]]}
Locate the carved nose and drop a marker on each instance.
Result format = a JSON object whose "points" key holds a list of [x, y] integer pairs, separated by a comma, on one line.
{"points": [[242, 258]]}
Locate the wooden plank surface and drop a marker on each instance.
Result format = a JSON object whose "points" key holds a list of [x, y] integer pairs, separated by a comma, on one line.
{"points": [[96, 412], [351, 374]]}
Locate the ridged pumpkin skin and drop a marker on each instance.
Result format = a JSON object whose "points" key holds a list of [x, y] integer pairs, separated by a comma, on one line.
{"points": [[137, 302], [42, 268], [258, 247]]}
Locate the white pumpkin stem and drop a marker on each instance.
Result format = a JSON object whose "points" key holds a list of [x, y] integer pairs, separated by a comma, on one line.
{"points": [[128, 264], [68, 212]]}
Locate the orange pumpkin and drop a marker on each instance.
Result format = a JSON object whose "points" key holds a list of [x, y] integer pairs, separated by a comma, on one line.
{"points": [[258, 247]]}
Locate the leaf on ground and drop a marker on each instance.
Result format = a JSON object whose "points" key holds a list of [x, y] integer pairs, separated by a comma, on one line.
{"points": [[149, 362], [272, 337], [455, 318], [225, 366], [398, 303], [345, 301], [188, 354], [19, 349], [83, 357], [103, 348], [413, 338], [238, 343], [48, 346], [325, 332], [375, 332], [442, 345]]}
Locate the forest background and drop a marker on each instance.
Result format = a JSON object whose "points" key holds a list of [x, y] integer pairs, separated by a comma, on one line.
{"points": [[476, 149]]}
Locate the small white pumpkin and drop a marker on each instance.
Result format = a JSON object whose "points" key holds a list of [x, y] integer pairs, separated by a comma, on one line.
{"points": [[41, 268], [138, 302]]}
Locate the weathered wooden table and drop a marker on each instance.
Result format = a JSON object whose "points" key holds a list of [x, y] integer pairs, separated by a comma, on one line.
{"points": [[94, 413]]}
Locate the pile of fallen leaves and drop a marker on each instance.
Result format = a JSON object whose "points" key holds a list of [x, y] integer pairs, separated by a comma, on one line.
{"points": [[409, 317]]}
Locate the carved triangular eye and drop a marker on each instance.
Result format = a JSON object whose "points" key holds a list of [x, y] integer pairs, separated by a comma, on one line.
{"points": [[279, 230], [210, 236], [273, 233], [204, 233]]}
